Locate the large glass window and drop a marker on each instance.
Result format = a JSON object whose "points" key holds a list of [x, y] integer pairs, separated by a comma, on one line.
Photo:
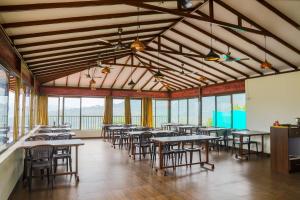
{"points": [[182, 111], [92, 113], [224, 111], [118, 111], [174, 111], [4, 139], [27, 110], [136, 111], [160, 112], [72, 112], [239, 111], [193, 111], [208, 111], [53, 111]]}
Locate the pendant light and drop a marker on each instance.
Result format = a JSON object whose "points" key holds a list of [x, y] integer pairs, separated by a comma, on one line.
{"points": [[131, 83], [137, 45], [265, 64], [93, 84], [211, 56]]}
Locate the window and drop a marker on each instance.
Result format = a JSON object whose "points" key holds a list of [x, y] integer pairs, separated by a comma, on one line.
{"points": [[208, 111], [174, 111], [53, 111], [224, 111], [21, 111], [72, 112], [118, 111], [160, 112], [136, 111], [27, 110], [4, 139], [11, 109], [239, 111], [193, 111], [182, 111], [92, 111]]}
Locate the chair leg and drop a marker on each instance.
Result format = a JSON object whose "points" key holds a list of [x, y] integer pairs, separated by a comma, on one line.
{"points": [[48, 176], [191, 158], [70, 163], [30, 179]]}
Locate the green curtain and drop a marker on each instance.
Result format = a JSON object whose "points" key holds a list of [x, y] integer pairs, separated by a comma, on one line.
{"points": [[43, 110], [147, 120], [127, 111], [16, 110], [108, 109]]}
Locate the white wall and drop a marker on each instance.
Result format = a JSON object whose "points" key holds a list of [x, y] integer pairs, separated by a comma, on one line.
{"points": [[272, 98]]}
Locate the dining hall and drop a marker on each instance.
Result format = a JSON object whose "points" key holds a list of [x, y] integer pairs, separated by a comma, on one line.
{"points": [[149, 99]]}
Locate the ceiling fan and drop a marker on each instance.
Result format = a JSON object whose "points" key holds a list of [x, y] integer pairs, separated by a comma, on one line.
{"points": [[119, 45], [228, 58], [104, 68], [182, 72]]}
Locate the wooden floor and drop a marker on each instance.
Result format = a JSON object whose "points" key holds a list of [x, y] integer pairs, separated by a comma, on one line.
{"points": [[107, 173]]}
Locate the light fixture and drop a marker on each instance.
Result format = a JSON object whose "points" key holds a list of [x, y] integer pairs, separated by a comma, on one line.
{"points": [[131, 83], [184, 4], [137, 45], [105, 70], [158, 75], [93, 84], [202, 78], [211, 56], [265, 64]]}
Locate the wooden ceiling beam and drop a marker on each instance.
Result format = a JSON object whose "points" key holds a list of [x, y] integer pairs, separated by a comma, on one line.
{"points": [[192, 66], [89, 44], [93, 28], [175, 65], [147, 82], [62, 60], [153, 86], [149, 49], [198, 61], [279, 13], [58, 75], [75, 4], [89, 37], [101, 85], [76, 19], [209, 47], [250, 21], [122, 69], [190, 80], [139, 79], [130, 75], [229, 45], [192, 16]]}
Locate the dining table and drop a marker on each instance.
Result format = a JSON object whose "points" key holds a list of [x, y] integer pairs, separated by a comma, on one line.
{"points": [[57, 143], [162, 141], [133, 134], [248, 133]]}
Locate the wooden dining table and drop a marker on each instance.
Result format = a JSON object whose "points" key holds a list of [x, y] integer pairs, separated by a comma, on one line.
{"points": [[209, 130], [248, 133], [57, 143], [182, 139], [185, 128], [133, 134], [54, 134]]}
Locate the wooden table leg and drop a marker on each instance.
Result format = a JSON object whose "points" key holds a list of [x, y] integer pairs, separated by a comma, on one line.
{"points": [[76, 164], [207, 151], [241, 146], [160, 151], [262, 145]]}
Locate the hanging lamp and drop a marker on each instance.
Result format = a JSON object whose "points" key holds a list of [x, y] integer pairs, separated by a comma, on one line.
{"points": [[211, 56], [131, 83], [265, 64], [137, 45], [93, 84]]}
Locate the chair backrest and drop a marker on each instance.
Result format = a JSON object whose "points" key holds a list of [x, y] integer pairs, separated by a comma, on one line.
{"points": [[43, 152], [63, 137], [145, 137], [38, 137]]}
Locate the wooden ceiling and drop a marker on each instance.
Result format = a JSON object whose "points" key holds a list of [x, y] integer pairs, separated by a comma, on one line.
{"points": [[58, 40]]}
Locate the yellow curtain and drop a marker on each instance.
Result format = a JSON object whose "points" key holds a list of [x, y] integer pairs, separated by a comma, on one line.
{"points": [[108, 110], [127, 111], [16, 110], [43, 110], [31, 120], [23, 109], [147, 112]]}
